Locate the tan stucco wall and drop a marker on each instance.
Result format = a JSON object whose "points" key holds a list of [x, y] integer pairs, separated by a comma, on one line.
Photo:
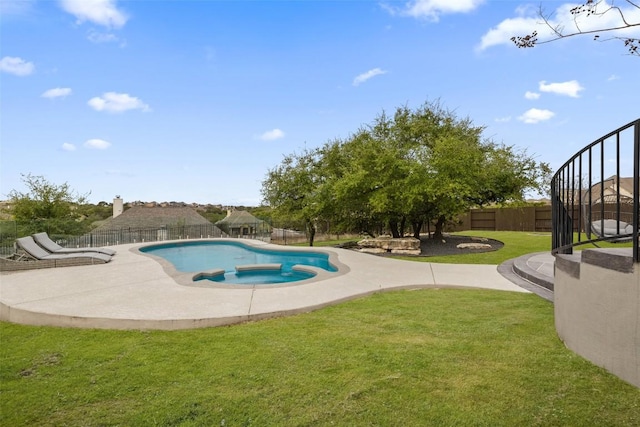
{"points": [[598, 316]]}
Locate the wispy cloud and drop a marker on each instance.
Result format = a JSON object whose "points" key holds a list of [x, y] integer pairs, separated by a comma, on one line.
{"points": [[15, 7], [571, 88], [99, 37], [272, 135], [100, 12], [59, 92], [68, 147], [97, 144], [433, 9], [503, 119], [361, 78], [112, 102], [16, 66], [531, 95], [613, 77], [535, 115]]}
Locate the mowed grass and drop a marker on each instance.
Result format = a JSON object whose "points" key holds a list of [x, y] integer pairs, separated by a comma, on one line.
{"points": [[406, 358]]}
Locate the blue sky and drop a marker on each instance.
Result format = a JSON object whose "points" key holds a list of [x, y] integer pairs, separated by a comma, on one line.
{"points": [[196, 100]]}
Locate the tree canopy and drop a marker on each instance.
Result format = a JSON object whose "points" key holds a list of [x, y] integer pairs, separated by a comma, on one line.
{"points": [[402, 170], [57, 205]]}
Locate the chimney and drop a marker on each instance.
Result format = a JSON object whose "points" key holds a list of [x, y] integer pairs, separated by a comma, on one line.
{"points": [[117, 206]]}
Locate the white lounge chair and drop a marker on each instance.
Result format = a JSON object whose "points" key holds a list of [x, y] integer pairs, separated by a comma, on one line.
{"points": [[31, 248], [45, 241]]}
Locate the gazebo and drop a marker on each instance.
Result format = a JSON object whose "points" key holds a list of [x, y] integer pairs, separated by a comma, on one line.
{"points": [[243, 224]]}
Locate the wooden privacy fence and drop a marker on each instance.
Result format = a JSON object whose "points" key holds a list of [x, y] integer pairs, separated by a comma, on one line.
{"points": [[530, 218]]}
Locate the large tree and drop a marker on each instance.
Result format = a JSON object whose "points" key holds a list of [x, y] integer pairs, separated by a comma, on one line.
{"points": [[412, 167]]}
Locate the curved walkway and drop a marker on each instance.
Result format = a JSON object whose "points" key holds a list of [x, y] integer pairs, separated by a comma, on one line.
{"points": [[134, 291]]}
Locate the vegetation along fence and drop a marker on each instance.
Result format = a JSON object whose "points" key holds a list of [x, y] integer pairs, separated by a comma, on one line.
{"points": [[597, 191]]}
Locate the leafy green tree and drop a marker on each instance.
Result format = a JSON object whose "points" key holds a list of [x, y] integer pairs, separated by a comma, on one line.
{"points": [[46, 204], [292, 189], [411, 167]]}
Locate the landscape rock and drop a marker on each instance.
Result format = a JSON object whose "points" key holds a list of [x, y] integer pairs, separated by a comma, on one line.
{"points": [[389, 244], [474, 246]]}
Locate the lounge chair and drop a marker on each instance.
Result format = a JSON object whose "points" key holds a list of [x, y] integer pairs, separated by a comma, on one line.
{"points": [[31, 248], [45, 241], [611, 227]]}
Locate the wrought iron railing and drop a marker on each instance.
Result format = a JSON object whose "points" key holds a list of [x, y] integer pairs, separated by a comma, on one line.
{"points": [[594, 195]]}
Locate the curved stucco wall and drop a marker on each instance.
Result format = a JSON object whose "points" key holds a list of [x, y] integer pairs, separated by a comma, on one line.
{"points": [[597, 309]]}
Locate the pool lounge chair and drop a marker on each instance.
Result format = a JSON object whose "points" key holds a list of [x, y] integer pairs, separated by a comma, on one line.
{"points": [[45, 241], [31, 248]]}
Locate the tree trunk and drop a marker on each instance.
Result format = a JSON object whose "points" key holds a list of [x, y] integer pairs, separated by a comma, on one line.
{"points": [[439, 226], [403, 223], [417, 226], [393, 225], [312, 232]]}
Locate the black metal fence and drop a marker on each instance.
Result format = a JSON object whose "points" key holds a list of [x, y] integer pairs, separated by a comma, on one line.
{"points": [[10, 231], [595, 194]]}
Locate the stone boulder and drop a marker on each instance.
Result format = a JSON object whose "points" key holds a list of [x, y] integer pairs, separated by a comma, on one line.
{"points": [[473, 246], [385, 244]]}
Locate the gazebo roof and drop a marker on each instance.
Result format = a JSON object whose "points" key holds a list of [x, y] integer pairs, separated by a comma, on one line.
{"points": [[239, 218]]}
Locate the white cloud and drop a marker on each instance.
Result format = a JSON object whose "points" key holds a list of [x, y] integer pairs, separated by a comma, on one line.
{"points": [[272, 135], [361, 78], [433, 9], [59, 92], [613, 77], [503, 119], [16, 66], [68, 147], [531, 95], [100, 12], [113, 102], [97, 144], [571, 88], [527, 21], [535, 115]]}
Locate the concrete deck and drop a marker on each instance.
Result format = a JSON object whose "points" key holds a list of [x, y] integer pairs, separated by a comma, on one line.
{"points": [[135, 291]]}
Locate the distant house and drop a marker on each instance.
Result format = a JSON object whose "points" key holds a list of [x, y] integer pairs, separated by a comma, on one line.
{"points": [[141, 223], [243, 224], [155, 217]]}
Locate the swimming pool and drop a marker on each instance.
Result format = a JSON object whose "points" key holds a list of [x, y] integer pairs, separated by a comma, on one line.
{"points": [[239, 263]]}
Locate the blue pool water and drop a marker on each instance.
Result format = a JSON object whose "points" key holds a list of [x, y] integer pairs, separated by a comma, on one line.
{"points": [[198, 256]]}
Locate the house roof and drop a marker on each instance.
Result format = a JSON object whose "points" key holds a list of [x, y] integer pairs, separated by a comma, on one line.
{"points": [[154, 217], [237, 219], [609, 189]]}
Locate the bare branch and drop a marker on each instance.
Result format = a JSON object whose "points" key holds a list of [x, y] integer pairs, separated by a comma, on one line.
{"points": [[588, 9]]}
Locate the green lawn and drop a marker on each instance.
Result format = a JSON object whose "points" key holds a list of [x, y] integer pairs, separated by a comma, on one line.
{"points": [[404, 358]]}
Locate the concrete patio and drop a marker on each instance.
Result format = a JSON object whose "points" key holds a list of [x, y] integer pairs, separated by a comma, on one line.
{"points": [[134, 291]]}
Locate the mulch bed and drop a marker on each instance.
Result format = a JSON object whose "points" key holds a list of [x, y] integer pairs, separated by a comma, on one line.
{"points": [[448, 245]]}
